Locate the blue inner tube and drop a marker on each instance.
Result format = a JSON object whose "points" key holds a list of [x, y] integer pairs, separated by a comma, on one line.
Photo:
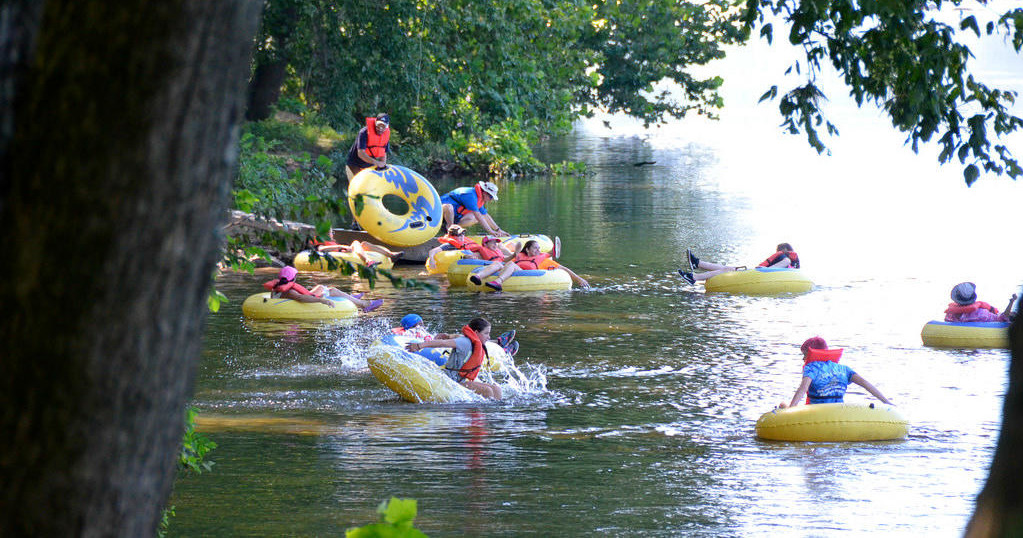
{"points": [[438, 356], [977, 324]]}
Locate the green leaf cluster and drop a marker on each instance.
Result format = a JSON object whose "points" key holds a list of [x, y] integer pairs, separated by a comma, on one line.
{"points": [[903, 58], [192, 459], [396, 517], [194, 446]]}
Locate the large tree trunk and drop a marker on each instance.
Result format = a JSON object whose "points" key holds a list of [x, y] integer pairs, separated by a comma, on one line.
{"points": [[999, 510], [117, 140]]}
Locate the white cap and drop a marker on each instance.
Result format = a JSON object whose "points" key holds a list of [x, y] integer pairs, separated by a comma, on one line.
{"points": [[489, 187]]}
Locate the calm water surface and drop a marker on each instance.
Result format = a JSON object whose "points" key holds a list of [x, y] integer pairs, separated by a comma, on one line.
{"points": [[646, 390]]}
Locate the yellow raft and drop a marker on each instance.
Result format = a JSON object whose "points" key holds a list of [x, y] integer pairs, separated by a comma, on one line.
{"points": [[529, 280], [760, 281], [981, 335], [458, 270], [418, 379], [368, 192], [262, 306], [833, 422], [302, 262], [439, 262]]}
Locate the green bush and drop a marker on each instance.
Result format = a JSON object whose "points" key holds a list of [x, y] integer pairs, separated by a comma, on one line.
{"points": [[396, 518]]}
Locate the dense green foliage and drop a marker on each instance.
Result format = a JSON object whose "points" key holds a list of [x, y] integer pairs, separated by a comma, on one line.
{"points": [[905, 59], [490, 79], [477, 84], [396, 518]]}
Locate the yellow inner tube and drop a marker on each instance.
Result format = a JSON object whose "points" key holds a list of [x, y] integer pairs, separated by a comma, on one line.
{"points": [[263, 306], [458, 270], [439, 262], [528, 280], [991, 335], [760, 281], [833, 422], [416, 378], [302, 262], [366, 198]]}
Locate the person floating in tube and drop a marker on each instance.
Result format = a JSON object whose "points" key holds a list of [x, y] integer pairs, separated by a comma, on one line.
{"points": [[824, 380], [371, 146], [285, 287], [466, 206], [965, 307], [467, 357], [784, 257], [412, 326]]}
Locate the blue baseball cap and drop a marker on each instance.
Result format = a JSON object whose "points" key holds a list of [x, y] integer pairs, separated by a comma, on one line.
{"points": [[410, 321]]}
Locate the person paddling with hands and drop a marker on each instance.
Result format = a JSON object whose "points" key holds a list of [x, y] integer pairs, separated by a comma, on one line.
{"points": [[531, 258], [467, 357], [466, 206], [285, 287], [824, 380]]}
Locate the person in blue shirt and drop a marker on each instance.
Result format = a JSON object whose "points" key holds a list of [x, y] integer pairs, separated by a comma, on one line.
{"points": [[466, 206], [824, 380]]}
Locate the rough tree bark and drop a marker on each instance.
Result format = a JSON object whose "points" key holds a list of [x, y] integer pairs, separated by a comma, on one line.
{"points": [[117, 136]]}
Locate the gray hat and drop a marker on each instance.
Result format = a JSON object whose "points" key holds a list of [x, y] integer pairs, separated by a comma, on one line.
{"points": [[964, 293]]}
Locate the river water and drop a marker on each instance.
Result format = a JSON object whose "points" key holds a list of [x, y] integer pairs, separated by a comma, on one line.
{"points": [[646, 390]]}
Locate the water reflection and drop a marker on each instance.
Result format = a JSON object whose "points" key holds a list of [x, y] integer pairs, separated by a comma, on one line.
{"points": [[642, 393]]}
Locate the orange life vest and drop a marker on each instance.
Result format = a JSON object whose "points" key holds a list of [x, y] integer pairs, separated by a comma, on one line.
{"points": [[376, 144], [472, 365], [281, 289], [456, 242], [479, 201], [958, 309], [814, 355], [485, 253], [540, 261], [777, 256]]}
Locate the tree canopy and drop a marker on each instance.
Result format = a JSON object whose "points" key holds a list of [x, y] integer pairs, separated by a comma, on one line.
{"points": [[474, 74], [904, 58]]}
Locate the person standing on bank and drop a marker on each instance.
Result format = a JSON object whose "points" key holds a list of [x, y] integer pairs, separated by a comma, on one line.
{"points": [[371, 146], [466, 206]]}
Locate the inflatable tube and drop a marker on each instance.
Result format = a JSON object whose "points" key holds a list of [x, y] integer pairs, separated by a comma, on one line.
{"points": [[416, 378], [458, 271], [366, 194], [529, 280], [760, 281], [546, 243], [833, 422], [439, 263], [262, 306], [302, 262], [980, 335]]}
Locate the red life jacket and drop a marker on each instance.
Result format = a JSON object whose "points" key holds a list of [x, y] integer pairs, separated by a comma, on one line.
{"points": [[958, 309], [814, 355], [280, 290], [376, 145], [456, 242], [531, 262], [472, 365], [485, 253], [479, 201], [777, 256]]}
